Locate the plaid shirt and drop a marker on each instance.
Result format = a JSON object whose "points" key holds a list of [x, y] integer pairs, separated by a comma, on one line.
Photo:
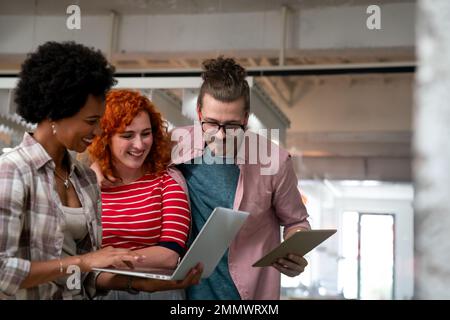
{"points": [[31, 219]]}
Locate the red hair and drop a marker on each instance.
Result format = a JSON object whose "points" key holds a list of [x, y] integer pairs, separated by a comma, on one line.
{"points": [[122, 106]]}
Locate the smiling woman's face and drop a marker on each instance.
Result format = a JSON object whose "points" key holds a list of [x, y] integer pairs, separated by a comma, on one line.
{"points": [[77, 132], [130, 148]]}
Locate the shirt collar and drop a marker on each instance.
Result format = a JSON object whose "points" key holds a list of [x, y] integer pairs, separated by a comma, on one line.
{"points": [[39, 156]]}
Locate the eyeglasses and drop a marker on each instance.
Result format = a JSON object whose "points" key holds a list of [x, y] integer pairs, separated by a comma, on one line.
{"points": [[214, 127]]}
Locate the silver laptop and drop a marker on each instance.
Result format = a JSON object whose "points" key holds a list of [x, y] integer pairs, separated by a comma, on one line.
{"points": [[208, 247]]}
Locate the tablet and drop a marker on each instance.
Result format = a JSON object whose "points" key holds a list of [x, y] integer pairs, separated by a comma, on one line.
{"points": [[300, 243]]}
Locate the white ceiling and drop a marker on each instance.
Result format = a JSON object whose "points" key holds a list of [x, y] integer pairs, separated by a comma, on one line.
{"points": [[58, 7]]}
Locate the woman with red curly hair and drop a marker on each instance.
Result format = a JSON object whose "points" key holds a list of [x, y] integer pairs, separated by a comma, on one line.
{"points": [[147, 210]]}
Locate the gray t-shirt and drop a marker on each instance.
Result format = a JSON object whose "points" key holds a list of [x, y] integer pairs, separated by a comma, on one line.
{"points": [[211, 184], [74, 229]]}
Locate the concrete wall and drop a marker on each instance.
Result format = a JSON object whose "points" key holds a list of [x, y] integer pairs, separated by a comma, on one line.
{"points": [[353, 127], [432, 152], [357, 104]]}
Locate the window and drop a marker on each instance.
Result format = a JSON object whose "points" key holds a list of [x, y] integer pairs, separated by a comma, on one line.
{"points": [[366, 269]]}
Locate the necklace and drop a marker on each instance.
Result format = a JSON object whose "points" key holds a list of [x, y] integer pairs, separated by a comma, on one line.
{"points": [[65, 180]]}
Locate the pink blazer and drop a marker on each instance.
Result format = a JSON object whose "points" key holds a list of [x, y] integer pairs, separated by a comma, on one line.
{"points": [[273, 200]]}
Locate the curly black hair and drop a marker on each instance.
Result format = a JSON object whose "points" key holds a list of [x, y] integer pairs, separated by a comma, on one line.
{"points": [[55, 81], [224, 80]]}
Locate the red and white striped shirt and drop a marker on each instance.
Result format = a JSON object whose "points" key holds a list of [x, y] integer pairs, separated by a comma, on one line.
{"points": [[149, 211]]}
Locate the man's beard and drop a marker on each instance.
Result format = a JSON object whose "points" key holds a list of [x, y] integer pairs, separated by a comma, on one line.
{"points": [[227, 147]]}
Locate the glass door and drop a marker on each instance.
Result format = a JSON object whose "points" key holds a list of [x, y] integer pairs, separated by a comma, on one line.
{"points": [[367, 265]]}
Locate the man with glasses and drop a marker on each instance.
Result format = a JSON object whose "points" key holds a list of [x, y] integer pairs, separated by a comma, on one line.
{"points": [[216, 162]]}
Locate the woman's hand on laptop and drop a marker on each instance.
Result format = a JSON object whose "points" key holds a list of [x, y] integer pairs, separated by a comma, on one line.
{"points": [[107, 257], [291, 265], [152, 285]]}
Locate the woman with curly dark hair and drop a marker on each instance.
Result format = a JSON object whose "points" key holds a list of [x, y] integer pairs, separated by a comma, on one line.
{"points": [[147, 210], [50, 224]]}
